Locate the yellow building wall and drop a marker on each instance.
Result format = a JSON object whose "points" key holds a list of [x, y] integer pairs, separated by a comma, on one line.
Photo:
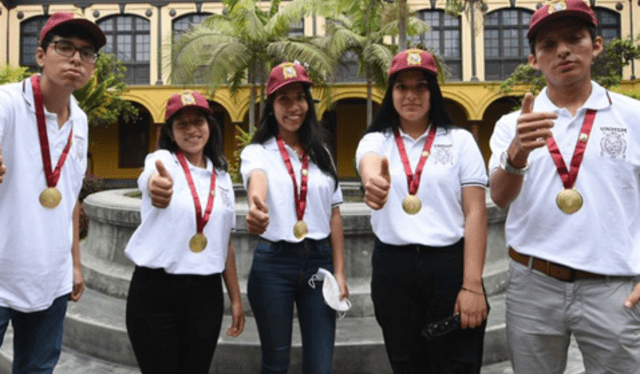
{"points": [[479, 104]]}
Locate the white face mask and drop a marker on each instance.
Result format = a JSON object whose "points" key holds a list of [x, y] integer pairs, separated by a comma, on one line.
{"points": [[330, 290]]}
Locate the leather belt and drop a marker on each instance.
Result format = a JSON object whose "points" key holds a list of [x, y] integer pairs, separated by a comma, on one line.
{"points": [[560, 272]]}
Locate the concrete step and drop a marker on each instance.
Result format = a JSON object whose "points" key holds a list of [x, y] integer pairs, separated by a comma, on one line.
{"points": [[112, 278], [96, 327]]}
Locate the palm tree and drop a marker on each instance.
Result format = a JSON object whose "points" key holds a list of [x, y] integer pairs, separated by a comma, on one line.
{"points": [[243, 43], [360, 27]]}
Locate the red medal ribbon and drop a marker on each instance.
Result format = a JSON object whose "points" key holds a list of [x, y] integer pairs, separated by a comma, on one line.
{"points": [[413, 180], [51, 176], [569, 176], [201, 220], [301, 199]]}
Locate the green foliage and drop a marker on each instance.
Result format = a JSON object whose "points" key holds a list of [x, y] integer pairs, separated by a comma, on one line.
{"points": [[244, 43], [101, 98], [243, 138], [10, 74], [606, 68]]}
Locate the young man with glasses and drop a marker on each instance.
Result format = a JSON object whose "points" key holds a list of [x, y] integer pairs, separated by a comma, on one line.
{"points": [[43, 158]]}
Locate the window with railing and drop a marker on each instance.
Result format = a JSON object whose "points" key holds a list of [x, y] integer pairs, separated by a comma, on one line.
{"points": [[29, 41], [505, 42], [608, 24], [129, 39], [443, 38], [181, 26]]}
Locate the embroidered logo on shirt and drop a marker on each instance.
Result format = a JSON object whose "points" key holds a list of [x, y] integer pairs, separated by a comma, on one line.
{"points": [[224, 195], [613, 143], [78, 143], [442, 154]]}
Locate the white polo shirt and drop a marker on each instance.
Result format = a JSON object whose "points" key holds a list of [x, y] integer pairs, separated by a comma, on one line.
{"points": [[162, 239], [604, 235], [36, 265], [322, 195], [455, 162]]}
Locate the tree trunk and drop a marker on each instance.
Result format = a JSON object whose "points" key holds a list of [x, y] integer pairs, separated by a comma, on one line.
{"points": [[262, 92], [402, 25], [369, 96], [252, 97]]}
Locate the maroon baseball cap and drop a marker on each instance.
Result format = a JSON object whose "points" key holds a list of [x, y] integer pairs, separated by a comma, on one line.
{"points": [[186, 99], [413, 59], [287, 73], [58, 19], [561, 8]]}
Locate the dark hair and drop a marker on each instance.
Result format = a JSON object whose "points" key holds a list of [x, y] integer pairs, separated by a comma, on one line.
{"points": [[310, 134], [591, 28], [388, 118], [68, 31], [212, 149]]}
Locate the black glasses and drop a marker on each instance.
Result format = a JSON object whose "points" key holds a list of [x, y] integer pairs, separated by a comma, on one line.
{"points": [[67, 49], [442, 327]]}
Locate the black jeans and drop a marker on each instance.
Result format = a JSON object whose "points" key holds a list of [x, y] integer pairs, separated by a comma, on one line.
{"points": [[174, 321], [412, 286]]}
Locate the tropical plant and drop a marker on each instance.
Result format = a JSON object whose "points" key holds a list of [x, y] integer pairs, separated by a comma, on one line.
{"points": [[360, 27], [606, 68], [101, 98], [9, 74], [242, 44], [242, 139]]}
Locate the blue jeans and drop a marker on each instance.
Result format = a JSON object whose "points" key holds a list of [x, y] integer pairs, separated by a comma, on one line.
{"points": [[278, 280], [37, 337]]}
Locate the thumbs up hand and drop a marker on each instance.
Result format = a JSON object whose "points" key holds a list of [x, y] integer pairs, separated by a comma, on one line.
{"points": [[160, 186], [3, 169], [534, 128], [376, 187], [258, 216]]}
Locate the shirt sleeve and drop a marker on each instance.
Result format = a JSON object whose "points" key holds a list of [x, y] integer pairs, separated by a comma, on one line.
{"points": [[337, 197], [502, 136], [472, 169], [252, 158], [6, 116], [370, 143], [150, 168]]}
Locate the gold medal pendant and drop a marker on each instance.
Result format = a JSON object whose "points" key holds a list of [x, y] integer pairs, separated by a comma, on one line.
{"points": [[300, 229], [50, 197], [198, 243], [411, 204], [569, 200]]}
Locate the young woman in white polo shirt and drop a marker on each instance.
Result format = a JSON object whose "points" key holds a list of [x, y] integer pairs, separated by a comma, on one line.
{"points": [[425, 180], [181, 248], [293, 193]]}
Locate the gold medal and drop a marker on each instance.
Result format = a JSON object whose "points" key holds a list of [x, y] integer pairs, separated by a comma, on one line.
{"points": [[300, 229], [569, 200], [411, 204], [198, 243], [50, 197]]}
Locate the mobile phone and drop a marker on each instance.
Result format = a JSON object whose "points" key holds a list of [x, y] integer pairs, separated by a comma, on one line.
{"points": [[442, 327]]}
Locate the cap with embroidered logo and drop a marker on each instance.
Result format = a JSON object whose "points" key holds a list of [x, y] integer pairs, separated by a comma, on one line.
{"points": [[558, 9], [285, 74], [61, 18], [186, 99], [413, 59]]}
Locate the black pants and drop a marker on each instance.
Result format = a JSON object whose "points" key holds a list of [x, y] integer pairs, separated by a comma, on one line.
{"points": [[174, 321], [412, 286]]}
